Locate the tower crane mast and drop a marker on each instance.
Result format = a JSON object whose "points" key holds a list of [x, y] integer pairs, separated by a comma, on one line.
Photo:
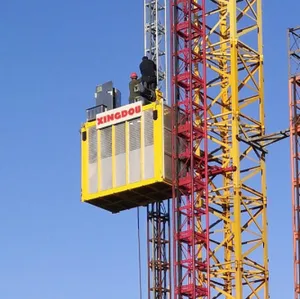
{"points": [[219, 194], [158, 213], [155, 39], [294, 103]]}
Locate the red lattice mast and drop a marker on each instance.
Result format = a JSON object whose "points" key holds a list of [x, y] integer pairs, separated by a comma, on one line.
{"points": [[294, 100], [189, 146]]}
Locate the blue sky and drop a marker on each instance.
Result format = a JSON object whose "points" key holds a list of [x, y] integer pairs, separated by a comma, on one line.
{"points": [[52, 55]]}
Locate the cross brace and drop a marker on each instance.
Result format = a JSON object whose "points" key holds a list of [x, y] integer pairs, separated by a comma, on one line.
{"points": [[261, 142]]}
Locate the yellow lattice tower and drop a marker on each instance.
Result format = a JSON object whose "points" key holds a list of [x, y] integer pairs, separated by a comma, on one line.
{"points": [[238, 219]]}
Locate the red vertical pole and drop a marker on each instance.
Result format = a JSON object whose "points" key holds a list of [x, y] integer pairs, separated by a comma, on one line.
{"points": [[191, 167], [205, 125], [294, 103], [294, 93]]}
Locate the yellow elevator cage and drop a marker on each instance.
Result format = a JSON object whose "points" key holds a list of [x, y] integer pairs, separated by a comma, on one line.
{"points": [[127, 164]]}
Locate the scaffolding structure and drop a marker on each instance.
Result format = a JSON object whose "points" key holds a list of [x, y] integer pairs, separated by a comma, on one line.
{"points": [[191, 162], [158, 213], [190, 169], [158, 233], [294, 102], [155, 39], [220, 211], [238, 202]]}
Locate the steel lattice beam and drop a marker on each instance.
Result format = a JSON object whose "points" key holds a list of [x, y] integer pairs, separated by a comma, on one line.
{"points": [[158, 214], [294, 100], [220, 203], [155, 39], [191, 167], [226, 254], [158, 232], [191, 274], [238, 202]]}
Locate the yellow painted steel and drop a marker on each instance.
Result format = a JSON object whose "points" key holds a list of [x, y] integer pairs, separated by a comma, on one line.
{"points": [[238, 213], [113, 157], [127, 151], [84, 158], [158, 138], [99, 157], [158, 161], [142, 164]]}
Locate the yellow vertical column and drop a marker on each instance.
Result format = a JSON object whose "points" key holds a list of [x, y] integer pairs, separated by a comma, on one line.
{"points": [[99, 160], [113, 155], [142, 144], [127, 136], [235, 150], [84, 162], [265, 283], [225, 132]]}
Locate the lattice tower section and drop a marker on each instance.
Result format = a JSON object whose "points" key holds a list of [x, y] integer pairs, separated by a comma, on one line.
{"points": [[192, 168], [158, 232], [294, 101], [158, 214], [155, 39], [235, 109]]}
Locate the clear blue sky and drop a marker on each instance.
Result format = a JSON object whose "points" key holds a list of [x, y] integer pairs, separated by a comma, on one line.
{"points": [[52, 55]]}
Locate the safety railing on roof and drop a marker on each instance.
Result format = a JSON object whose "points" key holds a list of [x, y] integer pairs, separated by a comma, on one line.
{"points": [[93, 111]]}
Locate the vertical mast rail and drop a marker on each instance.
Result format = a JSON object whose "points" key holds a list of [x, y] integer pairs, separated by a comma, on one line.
{"points": [[158, 219], [158, 214], [155, 39], [294, 103], [191, 261], [191, 164]]}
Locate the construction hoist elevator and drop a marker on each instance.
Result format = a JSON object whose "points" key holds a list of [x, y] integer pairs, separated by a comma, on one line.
{"points": [[205, 150]]}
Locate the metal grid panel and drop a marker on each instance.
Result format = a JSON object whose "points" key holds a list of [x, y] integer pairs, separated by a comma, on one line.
{"points": [[168, 153], [92, 137], [148, 144], [106, 158], [134, 134], [120, 139], [135, 150], [148, 127], [93, 162], [106, 142], [120, 143]]}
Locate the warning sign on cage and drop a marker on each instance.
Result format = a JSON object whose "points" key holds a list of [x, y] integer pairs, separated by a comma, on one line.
{"points": [[121, 114]]}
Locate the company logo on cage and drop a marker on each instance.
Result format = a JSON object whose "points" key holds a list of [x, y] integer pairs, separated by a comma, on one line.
{"points": [[118, 115]]}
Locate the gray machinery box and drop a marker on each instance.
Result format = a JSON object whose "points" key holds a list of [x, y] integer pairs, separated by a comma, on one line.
{"points": [[108, 96]]}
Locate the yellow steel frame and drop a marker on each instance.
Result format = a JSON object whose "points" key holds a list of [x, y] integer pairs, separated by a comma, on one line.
{"points": [[238, 203], [158, 126]]}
